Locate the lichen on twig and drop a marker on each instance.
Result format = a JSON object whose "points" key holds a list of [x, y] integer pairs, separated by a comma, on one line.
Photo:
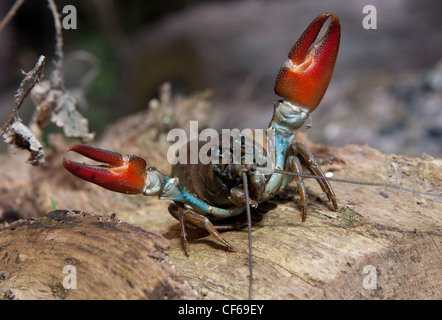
{"points": [[14, 132]]}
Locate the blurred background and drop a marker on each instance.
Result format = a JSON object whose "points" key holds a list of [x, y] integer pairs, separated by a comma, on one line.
{"points": [[386, 90]]}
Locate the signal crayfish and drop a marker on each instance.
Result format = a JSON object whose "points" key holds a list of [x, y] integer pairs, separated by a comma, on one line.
{"points": [[216, 190], [205, 193]]}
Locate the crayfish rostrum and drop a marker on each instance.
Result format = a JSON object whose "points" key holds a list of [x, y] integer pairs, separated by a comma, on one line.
{"points": [[202, 193]]}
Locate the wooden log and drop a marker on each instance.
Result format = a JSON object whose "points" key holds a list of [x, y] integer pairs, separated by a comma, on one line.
{"points": [[74, 255]]}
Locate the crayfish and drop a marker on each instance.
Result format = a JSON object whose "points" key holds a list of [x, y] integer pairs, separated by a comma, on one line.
{"points": [[204, 193]]}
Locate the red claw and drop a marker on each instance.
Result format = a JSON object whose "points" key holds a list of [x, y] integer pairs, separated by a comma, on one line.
{"points": [[125, 174], [304, 78]]}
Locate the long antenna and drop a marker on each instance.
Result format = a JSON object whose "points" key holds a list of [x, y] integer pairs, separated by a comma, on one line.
{"points": [[249, 224], [304, 175]]}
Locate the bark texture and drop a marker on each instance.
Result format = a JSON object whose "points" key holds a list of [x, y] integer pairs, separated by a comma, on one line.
{"points": [[75, 255]]}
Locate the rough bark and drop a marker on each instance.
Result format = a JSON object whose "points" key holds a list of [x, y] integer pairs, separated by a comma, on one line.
{"points": [[75, 255], [323, 258]]}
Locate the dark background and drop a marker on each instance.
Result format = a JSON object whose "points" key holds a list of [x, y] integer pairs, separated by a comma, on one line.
{"points": [[386, 90]]}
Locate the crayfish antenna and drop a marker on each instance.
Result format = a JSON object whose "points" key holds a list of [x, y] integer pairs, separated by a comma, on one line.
{"points": [[373, 184], [249, 225]]}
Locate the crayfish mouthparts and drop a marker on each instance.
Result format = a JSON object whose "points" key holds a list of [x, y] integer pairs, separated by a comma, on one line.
{"points": [[124, 174]]}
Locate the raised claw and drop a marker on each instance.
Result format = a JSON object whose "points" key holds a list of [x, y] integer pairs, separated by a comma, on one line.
{"points": [[125, 174], [304, 77]]}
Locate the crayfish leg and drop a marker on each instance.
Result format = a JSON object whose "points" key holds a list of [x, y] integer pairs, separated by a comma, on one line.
{"points": [[295, 166], [183, 214], [307, 159]]}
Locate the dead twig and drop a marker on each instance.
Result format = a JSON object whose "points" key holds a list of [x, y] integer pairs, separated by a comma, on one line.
{"points": [[34, 75], [53, 103], [14, 132], [56, 76], [11, 13]]}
